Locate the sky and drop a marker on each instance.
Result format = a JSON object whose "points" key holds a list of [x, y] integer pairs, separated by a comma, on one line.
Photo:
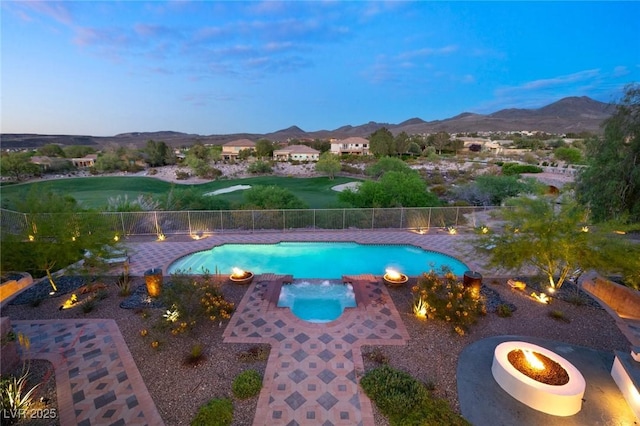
{"points": [[223, 67]]}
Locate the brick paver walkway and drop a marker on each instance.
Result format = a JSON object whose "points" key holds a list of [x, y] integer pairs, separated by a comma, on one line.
{"points": [[313, 369], [97, 380]]}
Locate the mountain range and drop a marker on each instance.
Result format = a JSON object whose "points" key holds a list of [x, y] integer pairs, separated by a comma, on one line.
{"points": [[572, 114]]}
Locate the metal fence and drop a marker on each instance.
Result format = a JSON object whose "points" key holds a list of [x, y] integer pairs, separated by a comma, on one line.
{"points": [[195, 222]]}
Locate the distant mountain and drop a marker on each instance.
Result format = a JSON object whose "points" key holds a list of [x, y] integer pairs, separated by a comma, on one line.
{"points": [[573, 114]]}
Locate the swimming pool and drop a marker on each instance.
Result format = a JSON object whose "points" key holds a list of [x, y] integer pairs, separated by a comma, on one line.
{"points": [[317, 302], [329, 260]]}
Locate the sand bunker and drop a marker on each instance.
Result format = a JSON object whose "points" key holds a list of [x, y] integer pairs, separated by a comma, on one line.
{"points": [[229, 189], [350, 185]]}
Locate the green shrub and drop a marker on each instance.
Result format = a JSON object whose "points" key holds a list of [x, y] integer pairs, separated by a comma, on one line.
{"points": [[509, 169], [446, 298], [259, 167], [405, 401], [503, 310], [247, 384], [559, 316], [217, 412]]}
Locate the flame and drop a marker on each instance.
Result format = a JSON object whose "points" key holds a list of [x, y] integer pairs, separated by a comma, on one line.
{"points": [[392, 274], [533, 360], [237, 272]]}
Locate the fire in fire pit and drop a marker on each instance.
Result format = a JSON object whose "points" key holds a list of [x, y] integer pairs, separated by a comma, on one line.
{"points": [[538, 367]]}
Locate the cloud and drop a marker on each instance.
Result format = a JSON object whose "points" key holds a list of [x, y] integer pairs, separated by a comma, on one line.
{"points": [[427, 51], [551, 83], [56, 10]]}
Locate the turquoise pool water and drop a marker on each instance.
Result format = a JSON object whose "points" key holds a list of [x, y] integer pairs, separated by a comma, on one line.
{"points": [[306, 260], [317, 302]]}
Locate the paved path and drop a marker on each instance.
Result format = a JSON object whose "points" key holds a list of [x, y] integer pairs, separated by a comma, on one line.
{"points": [[313, 370], [97, 380]]}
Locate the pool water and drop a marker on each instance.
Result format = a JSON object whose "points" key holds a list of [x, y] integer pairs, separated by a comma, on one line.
{"points": [[316, 259], [317, 302]]}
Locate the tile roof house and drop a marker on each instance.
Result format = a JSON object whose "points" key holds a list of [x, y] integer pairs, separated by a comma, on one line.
{"points": [[233, 148], [88, 160], [296, 152], [353, 145], [41, 160]]}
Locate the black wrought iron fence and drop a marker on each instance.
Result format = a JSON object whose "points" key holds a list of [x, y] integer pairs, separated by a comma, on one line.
{"points": [[195, 222]]}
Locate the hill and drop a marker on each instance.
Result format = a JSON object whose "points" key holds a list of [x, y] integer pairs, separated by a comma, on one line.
{"points": [[572, 114]]}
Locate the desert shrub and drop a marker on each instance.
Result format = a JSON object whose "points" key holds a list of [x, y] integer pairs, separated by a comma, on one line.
{"points": [[217, 412], [346, 168], [182, 175], [253, 354], [193, 299], [504, 311], [559, 315], [152, 172], [259, 167], [509, 169], [89, 304], [404, 400], [195, 355], [377, 356], [247, 384], [446, 298]]}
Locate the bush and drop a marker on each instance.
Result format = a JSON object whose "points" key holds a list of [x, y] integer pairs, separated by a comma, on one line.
{"points": [[509, 169], [259, 167], [217, 412], [446, 298], [504, 311], [405, 400], [181, 175], [247, 384]]}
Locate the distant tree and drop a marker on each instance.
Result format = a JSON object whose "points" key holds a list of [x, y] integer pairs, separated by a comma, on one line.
{"points": [[17, 165], [180, 198], [158, 153], [109, 161], [51, 150], [328, 163], [271, 197], [381, 143], [550, 238], [78, 151], [386, 164], [264, 148], [402, 142], [394, 189], [439, 141], [492, 190], [321, 145], [569, 155], [414, 149], [610, 185], [455, 145]]}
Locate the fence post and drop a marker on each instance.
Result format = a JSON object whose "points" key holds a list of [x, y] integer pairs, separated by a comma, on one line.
{"points": [[457, 214], [189, 220], [253, 221], [284, 220], [401, 217], [429, 219], [314, 218], [122, 223], [344, 218], [373, 217], [221, 222]]}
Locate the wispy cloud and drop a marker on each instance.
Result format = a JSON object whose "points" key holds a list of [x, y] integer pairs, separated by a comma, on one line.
{"points": [[58, 11], [562, 81]]}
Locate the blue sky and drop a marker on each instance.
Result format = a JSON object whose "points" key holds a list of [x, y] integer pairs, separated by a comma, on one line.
{"points": [[103, 68]]}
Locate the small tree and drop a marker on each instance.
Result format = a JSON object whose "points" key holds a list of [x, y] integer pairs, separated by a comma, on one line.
{"points": [[59, 232], [328, 163], [555, 240]]}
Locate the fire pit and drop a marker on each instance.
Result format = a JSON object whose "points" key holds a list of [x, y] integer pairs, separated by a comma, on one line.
{"points": [[239, 276], [394, 278], [539, 378]]}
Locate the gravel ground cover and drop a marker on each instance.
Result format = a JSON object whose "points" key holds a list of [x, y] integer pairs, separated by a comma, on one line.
{"points": [[431, 355]]}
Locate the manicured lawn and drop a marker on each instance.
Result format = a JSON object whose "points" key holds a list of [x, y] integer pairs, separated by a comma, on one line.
{"points": [[94, 192]]}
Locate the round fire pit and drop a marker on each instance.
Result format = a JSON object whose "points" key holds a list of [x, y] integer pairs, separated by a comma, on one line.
{"points": [[558, 400], [395, 281], [245, 278]]}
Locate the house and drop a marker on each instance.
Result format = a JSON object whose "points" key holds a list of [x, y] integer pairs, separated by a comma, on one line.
{"points": [[232, 149], [353, 145], [88, 160], [41, 160], [296, 152]]}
